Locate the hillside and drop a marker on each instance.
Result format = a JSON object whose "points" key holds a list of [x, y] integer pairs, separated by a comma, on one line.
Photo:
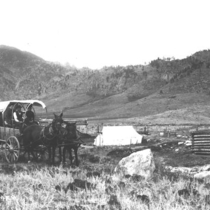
{"points": [[160, 87], [24, 74]]}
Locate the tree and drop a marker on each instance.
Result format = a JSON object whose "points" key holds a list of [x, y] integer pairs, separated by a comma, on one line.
{"points": [[145, 75]]}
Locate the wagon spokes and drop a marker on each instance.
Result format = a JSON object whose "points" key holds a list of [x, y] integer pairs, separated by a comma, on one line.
{"points": [[12, 149]]}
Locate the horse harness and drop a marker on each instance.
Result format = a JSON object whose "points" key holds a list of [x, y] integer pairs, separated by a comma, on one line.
{"points": [[48, 134]]}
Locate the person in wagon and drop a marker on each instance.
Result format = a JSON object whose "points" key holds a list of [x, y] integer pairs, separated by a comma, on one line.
{"points": [[29, 120], [18, 116], [8, 116]]}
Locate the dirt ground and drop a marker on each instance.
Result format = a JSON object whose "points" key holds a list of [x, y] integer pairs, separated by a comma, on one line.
{"points": [[167, 152]]}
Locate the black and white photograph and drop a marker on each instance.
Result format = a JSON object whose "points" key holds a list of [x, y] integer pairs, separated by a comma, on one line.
{"points": [[104, 105]]}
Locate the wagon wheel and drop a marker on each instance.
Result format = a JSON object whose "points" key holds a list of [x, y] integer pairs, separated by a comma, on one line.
{"points": [[12, 149]]}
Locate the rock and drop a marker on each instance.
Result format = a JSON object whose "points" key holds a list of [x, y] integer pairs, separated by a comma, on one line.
{"points": [[143, 198], [119, 153], [197, 172], [181, 170], [162, 133], [79, 184], [137, 178], [188, 143], [139, 163], [96, 174], [38, 187], [77, 207], [2, 197], [94, 159], [187, 192], [127, 176], [101, 207], [156, 148], [184, 192], [82, 184], [110, 189], [93, 174], [121, 185], [71, 187], [107, 170], [58, 187], [203, 175], [205, 168]]}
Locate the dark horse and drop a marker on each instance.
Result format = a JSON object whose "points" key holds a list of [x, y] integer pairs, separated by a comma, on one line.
{"points": [[71, 141], [35, 135]]}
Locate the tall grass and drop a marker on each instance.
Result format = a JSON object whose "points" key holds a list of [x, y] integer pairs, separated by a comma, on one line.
{"points": [[50, 188]]}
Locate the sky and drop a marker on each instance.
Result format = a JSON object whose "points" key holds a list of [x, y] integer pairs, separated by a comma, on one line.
{"points": [[98, 33]]}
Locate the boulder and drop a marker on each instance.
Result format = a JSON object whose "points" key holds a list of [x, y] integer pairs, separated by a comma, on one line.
{"points": [[204, 175], [198, 172], [205, 168], [139, 163]]}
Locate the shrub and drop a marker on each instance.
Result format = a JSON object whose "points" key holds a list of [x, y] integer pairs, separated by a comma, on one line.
{"points": [[135, 96]]}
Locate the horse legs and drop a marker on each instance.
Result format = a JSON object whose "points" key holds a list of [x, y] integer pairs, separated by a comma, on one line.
{"points": [[70, 155], [67, 148], [60, 154], [53, 153], [29, 157], [30, 152], [49, 150], [64, 154], [75, 148], [76, 156]]}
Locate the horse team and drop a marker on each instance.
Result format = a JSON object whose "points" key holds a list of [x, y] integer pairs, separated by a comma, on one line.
{"points": [[58, 134]]}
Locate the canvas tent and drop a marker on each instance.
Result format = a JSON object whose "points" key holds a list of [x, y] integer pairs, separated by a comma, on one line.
{"points": [[118, 135]]}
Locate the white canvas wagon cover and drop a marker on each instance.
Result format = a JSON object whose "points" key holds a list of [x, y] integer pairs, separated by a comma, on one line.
{"points": [[118, 135], [5, 104]]}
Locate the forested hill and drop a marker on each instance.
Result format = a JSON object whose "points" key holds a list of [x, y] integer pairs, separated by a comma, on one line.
{"points": [[94, 92]]}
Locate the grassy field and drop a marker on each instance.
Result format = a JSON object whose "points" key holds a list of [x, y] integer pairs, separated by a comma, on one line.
{"points": [[93, 185]]}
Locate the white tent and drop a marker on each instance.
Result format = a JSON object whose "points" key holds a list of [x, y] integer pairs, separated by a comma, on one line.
{"points": [[118, 135]]}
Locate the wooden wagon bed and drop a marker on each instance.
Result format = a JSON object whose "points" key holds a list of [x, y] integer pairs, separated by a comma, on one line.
{"points": [[6, 132]]}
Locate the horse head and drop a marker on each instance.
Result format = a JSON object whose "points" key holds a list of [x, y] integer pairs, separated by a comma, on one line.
{"points": [[57, 123], [69, 131]]}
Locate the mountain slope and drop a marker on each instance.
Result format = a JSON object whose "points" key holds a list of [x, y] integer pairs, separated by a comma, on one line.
{"points": [[111, 92], [27, 74]]}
